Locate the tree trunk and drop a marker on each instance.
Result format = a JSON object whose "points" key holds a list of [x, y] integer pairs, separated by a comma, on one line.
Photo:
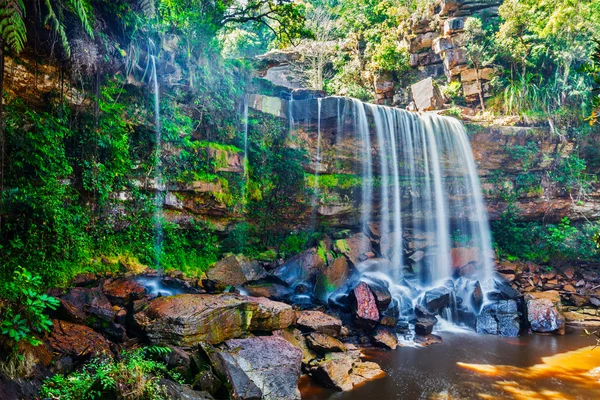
{"points": [[480, 90]]}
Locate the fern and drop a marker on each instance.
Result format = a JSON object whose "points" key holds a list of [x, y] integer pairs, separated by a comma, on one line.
{"points": [[148, 8], [12, 24], [81, 8], [58, 28]]}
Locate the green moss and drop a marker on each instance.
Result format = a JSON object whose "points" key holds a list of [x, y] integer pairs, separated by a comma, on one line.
{"points": [[342, 246]]}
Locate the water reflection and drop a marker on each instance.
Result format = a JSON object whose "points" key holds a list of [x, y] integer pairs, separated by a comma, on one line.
{"points": [[482, 367]]}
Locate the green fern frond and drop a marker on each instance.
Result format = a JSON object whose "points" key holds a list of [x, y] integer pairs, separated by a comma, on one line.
{"points": [[148, 8], [12, 24], [58, 28], [82, 9]]}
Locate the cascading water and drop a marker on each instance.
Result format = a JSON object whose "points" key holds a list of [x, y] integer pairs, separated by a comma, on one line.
{"points": [[419, 178], [160, 187]]}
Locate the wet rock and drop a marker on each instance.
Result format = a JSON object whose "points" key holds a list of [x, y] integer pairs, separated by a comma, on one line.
{"points": [[77, 342], [271, 290], [318, 321], [421, 311], [79, 303], [389, 317], [428, 340], [236, 270], [187, 319], [300, 268], [416, 256], [544, 312], [262, 367], [177, 391], [477, 296], [354, 248], [296, 338], [364, 307], [506, 291], [385, 337], [332, 277], [334, 371], [322, 343], [499, 318], [438, 298], [466, 318], [207, 381], [424, 325], [342, 371], [383, 297], [461, 256], [123, 291]]}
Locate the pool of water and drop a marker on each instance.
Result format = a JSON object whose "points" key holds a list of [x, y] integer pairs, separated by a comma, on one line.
{"points": [[471, 366]]}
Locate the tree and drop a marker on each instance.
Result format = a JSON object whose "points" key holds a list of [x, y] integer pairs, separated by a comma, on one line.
{"points": [[478, 50]]}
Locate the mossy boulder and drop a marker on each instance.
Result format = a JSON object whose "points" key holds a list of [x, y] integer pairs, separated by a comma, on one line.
{"points": [[188, 319]]}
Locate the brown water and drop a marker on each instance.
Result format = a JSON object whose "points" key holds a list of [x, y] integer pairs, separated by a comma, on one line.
{"points": [[470, 366]]}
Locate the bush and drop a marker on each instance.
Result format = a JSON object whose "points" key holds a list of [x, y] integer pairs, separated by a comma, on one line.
{"points": [[134, 376], [23, 314]]}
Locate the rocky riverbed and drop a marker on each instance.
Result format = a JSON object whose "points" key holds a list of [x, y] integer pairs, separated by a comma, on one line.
{"points": [[250, 329]]}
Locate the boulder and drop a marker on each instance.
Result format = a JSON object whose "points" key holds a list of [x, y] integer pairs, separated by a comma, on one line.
{"points": [[262, 367], [334, 371], [385, 337], [177, 391], [389, 316], [477, 296], [461, 256], [544, 312], [383, 297], [296, 338], [505, 291], [436, 299], [123, 291], [424, 325], [427, 340], [320, 322], [207, 381], [322, 343], [364, 307], [342, 371], [264, 288], [236, 270], [79, 303], [427, 95], [454, 25], [300, 268], [354, 248], [332, 278], [188, 319], [78, 342], [499, 318]]}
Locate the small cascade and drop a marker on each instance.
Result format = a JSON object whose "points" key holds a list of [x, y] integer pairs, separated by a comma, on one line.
{"points": [[315, 198], [418, 179], [159, 195], [246, 160]]}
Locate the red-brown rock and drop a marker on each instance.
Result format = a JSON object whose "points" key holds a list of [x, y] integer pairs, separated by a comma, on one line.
{"points": [[77, 341], [364, 306], [319, 322], [462, 256], [123, 292]]}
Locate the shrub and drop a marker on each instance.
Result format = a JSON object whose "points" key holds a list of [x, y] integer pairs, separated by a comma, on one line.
{"points": [[23, 314], [135, 376]]}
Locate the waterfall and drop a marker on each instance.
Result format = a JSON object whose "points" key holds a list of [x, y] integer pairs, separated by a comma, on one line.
{"points": [[315, 199], [158, 178], [418, 177], [246, 161]]}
